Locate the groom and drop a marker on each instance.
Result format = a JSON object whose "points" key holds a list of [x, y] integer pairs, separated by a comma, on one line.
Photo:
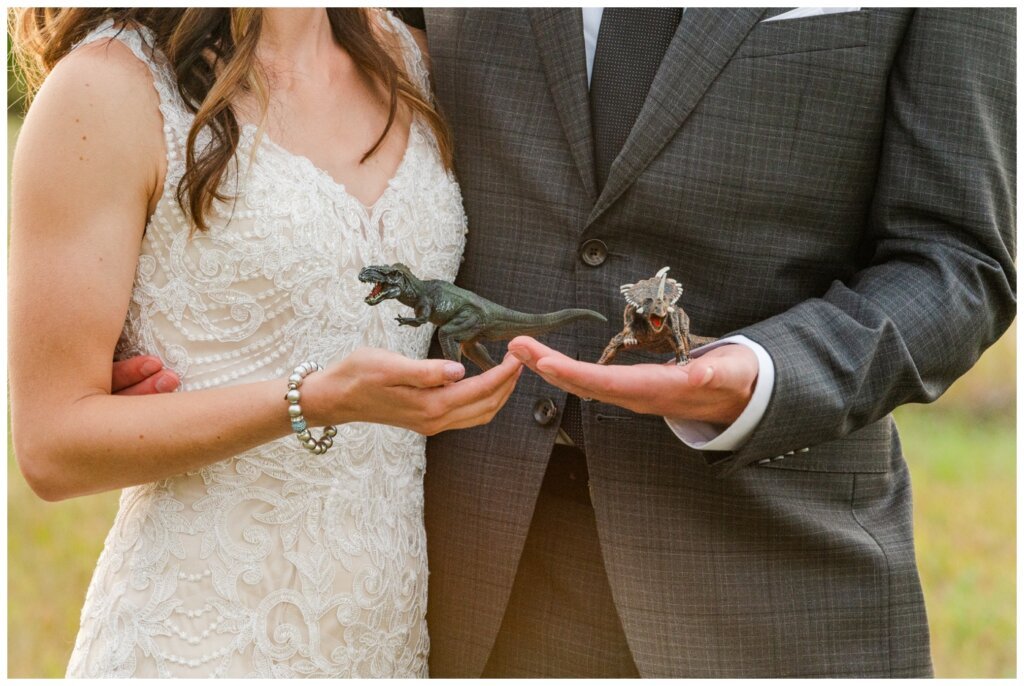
{"points": [[834, 190], [837, 189]]}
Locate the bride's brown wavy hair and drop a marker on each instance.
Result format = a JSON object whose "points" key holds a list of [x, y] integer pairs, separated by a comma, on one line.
{"points": [[213, 55]]}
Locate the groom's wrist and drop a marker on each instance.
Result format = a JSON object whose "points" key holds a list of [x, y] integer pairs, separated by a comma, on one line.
{"points": [[712, 437]]}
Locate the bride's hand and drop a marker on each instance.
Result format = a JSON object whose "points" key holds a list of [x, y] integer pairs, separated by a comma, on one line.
{"points": [[427, 396]]}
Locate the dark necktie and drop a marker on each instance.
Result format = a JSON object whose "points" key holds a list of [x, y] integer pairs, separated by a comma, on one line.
{"points": [[630, 46]]}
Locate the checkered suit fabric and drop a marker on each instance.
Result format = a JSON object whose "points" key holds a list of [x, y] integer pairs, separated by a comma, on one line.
{"points": [[838, 188]]}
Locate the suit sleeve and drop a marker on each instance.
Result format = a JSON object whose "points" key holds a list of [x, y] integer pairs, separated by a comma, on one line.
{"points": [[941, 285]]}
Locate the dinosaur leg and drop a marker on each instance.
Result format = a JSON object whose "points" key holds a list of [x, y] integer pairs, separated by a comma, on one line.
{"points": [[680, 340], [628, 337], [449, 346], [464, 326], [681, 347], [475, 351], [612, 349]]}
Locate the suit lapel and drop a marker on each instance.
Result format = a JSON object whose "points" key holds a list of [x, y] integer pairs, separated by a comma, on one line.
{"points": [[559, 35], [702, 46]]}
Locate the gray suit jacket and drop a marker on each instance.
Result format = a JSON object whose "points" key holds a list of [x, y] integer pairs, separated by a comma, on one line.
{"points": [[839, 189]]}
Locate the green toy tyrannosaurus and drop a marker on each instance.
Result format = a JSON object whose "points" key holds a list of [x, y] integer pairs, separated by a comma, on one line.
{"points": [[463, 318]]}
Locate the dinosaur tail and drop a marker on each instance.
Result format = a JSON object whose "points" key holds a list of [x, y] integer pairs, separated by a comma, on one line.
{"points": [[697, 341], [521, 324]]}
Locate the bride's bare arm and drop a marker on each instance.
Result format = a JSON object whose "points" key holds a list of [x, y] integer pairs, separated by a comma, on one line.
{"points": [[87, 171]]}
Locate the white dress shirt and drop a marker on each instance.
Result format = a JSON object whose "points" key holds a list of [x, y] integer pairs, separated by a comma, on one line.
{"points": [[695, 434]]}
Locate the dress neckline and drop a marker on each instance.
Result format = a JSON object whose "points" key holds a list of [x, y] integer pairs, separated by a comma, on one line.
{"points": [[326, 178]]}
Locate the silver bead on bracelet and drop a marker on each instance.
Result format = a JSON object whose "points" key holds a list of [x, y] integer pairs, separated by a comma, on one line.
{"points": [[317, 446]]}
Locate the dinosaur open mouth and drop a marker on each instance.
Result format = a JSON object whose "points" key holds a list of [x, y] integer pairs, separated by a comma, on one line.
{"points": [[381, 291], [657, 321], [382, 286]]}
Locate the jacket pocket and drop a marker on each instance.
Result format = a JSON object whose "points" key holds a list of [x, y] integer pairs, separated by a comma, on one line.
{"points": [[867, 450], [808, 34]]}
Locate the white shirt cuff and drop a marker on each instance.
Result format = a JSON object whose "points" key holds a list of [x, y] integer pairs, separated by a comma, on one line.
{"points": [[705, 436]]}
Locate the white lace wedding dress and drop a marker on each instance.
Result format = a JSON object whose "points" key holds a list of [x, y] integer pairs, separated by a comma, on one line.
{"points": [[276, 562]]}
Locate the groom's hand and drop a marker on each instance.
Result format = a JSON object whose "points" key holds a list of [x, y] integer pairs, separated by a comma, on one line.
{"points": [[142, 375], [714, 387]]}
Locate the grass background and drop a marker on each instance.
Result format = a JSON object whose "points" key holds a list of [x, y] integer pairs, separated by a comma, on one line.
{"points": [[961, 452]]}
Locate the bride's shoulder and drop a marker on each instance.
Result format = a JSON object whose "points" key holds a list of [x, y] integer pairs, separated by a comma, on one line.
{"points": [[98, 99], [109, 59], [104, 74]]}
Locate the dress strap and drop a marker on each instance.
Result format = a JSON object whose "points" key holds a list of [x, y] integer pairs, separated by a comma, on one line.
{"points": [[139, 39], [415, 64]]}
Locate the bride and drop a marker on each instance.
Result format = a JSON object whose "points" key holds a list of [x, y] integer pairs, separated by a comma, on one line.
{"points": [[203, 186]]}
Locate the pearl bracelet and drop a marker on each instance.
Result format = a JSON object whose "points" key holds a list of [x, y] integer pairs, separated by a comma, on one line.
{"points": [[317, 446]]}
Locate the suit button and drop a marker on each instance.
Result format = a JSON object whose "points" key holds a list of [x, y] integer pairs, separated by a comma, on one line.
{"points": [[545, 411], [594, 252]]}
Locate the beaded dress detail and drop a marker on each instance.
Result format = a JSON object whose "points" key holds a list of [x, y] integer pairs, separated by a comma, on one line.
{"points": [[276, 562]]}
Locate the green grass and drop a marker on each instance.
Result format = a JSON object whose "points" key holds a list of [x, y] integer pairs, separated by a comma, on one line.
{"points": [[51, 551], [961, 452], [964, 492]]}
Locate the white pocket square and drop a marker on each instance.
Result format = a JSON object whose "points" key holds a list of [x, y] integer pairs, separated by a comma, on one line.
{"points": [[802, 12]]}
